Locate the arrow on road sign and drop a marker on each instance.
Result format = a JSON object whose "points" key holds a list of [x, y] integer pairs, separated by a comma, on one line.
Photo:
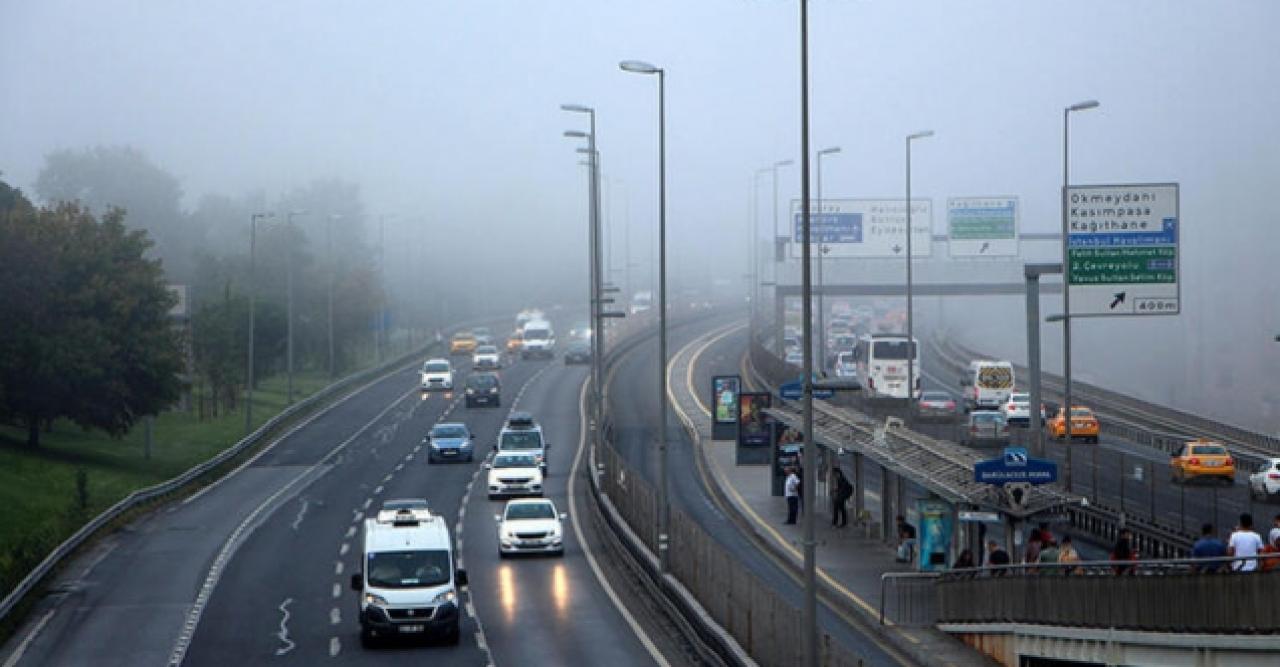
{"points": [[1118, 300], [897, 249], [984, 247]]}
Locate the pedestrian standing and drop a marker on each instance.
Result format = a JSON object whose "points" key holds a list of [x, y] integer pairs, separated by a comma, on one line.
{"points": [[1067, 553], [965, 560], [906, 540], [1245, 543], [842, 490], [1124, 551], [791, 489], [996, 556], [1208, 546], [1034, 544]]}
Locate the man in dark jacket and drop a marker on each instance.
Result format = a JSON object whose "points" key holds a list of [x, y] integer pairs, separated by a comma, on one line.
{"points": [[841, 491]]}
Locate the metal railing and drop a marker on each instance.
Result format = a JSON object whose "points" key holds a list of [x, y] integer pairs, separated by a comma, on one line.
{"points": [[1168, 595], [196, 473]]}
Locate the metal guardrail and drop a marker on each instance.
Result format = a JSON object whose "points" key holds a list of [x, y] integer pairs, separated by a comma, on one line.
{"points": [[140, 497]]}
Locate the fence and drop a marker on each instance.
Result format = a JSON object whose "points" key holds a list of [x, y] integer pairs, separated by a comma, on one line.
{"points": [[766, 625]]}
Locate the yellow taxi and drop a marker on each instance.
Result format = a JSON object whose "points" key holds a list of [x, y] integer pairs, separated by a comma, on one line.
{"points": [[514, 342], [1084, 425], [1203, 458], [462, 343]]}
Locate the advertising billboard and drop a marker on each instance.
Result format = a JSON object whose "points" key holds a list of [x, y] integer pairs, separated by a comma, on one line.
{"points": [[982, 226], [841, 228], [754, 427], [724, 394]]}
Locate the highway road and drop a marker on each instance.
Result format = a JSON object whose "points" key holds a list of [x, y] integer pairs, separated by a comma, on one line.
{"points": [[634, 404], [256, 569]]}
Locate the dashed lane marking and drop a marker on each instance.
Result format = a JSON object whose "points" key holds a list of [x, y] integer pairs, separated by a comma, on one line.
{"points": [[337, 591], [342, 550], [335, 616], [337, 568], [335, 647]]}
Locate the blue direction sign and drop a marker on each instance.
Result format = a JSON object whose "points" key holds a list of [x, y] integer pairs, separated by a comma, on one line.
{"points": [[1015, 466], [794, 390]]}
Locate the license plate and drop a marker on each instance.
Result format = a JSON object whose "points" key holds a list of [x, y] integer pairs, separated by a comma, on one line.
{"points": [[449, 452], [1212, 464], [407, 629]]}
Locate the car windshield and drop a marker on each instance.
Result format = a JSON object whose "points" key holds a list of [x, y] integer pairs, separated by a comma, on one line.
{"points": [[521, 440], [1209, 450], [481, 381], [486, 349], [1081, 412], [437, 367], [892, 349], [409, 569], [935, 396], [517, 461], [449, 432], [535, 334], [531, 511], [464, 337], [480, 331], [844, 358], [1020, 398], [986, 417]]}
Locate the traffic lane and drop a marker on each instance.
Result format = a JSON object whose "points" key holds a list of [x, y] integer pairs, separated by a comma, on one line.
{"points": [[286, 593], [143, 585], [635, 404], [543, 609]]}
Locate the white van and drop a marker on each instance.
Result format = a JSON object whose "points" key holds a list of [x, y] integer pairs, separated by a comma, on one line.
{"points": [[409, 581], [538, 339], [987, 384]]}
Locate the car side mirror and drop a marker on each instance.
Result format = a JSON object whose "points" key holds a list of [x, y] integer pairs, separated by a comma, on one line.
{"points": [[460, 577], [357, 581]]}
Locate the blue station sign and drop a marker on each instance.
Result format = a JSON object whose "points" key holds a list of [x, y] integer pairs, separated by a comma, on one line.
{"points": [[794, 390], [1015, 466]]}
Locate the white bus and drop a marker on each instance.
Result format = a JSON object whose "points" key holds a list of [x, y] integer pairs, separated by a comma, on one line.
{"points": [[641, 302], [882, 365]]}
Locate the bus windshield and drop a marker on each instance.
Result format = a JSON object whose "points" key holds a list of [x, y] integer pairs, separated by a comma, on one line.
{"points": [[893, 349]]}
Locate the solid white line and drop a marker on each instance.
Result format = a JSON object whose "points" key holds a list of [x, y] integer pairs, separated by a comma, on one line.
{"points": [[183, 642], [586, 549], [26, 642]]}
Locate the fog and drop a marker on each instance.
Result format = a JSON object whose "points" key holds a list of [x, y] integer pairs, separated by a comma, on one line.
{"points": [[441, 121]]}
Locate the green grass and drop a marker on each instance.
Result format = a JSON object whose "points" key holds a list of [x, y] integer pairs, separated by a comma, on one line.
{"points": [[39, 505]]}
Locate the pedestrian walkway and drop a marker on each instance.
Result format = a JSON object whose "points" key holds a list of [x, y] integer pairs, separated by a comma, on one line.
{"points": [[850, 560]]}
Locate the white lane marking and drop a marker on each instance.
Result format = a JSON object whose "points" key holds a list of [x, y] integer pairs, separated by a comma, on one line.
{"points": [[284, 628], [644, 638], [399, 467], [337, 591], [409, 456], [17, 654], [356, 519], [183, 642], [351, 531], [342, 550], [335, 616], [335, 647], [378, 490], [387, 478], [337, 568], [481, 643], [368, 502], [416, 448], [471, 610], [301, 512]]}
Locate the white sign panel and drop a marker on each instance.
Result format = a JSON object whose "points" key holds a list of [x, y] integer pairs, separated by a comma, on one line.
{"points": [[982, 226], [1123, 250], [864, 228]]}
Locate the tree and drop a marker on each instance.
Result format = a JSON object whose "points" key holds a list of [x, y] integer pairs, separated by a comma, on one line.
{"points": [[86, 334], [106, 177]]}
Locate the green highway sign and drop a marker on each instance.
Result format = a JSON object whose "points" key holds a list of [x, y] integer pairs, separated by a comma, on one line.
{"points": [[1122, 250], [982, 226]]}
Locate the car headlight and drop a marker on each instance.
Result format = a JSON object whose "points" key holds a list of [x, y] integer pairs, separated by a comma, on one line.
{"points": [[470, 391], [375, 600], [493, 390], [447, 596]]}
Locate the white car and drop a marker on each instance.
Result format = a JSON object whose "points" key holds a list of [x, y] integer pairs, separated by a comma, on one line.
{"points": [[795, 357], [530, 525], [437, 375], [486, 358], [514, 474], [1264, 484], [845, 366], [1017, 410]]}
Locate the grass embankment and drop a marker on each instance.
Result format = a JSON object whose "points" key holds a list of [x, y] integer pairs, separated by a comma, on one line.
{"points": [[41, 502]]}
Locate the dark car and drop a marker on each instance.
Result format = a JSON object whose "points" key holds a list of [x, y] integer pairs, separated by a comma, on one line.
{"points": [[449, 441], [578, 352], [936, 405], [483, 389]]}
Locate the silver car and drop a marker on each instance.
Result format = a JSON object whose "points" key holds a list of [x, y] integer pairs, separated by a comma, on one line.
{"points": [[986, 428]]}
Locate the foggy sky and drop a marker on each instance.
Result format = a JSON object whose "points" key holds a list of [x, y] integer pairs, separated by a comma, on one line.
{"points": [[448, 112]]}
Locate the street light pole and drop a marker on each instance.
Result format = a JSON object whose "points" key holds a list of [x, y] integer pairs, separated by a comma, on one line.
{"points": [[808, 481], [1066, 282], [664, 509], [911, 351], [328, 241], [253, 250], [593, 261], [756, 292], [773, 242], [822, 251], [289, 299]]}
